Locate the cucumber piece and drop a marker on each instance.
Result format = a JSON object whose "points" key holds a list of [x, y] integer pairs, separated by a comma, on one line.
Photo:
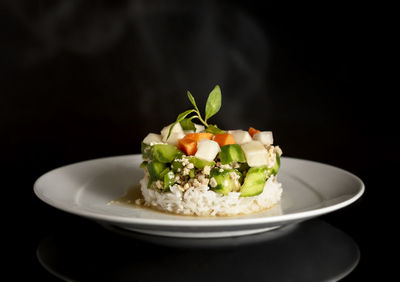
{"points": [[164, 153], [254, 182], [232, 153], [225, 183], [169, 180]]}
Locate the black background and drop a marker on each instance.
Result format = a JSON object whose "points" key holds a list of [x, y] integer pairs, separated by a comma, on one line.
{"points": [[82, 80]]}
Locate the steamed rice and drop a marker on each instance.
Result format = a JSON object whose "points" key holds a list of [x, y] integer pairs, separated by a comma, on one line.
{"points": [[202, 201]]}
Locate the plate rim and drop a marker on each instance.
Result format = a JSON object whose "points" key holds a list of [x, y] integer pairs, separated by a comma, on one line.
{"points": [[200, 221]]}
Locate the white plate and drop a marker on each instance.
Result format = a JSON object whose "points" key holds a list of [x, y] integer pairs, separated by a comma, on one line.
{"points": [[310, 189]]}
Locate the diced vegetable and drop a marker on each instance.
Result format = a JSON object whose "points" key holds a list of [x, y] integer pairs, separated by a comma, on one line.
{"points": [[223, 182], [199, 136], [155, 168], [254, 182], [200, 164], [164, 153], [240, 136], [253, 131], [188, 146], [176, 129], [176, 133], [256, 154], [264, 137], [224, 139], [169, 180], [232, 153], [174, 137], [207, 150]]}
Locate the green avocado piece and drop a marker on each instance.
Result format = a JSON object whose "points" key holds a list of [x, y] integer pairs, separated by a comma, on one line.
{"points": [[155, 169], [254, 182], [169, 180], [232, 153], [225, 183], [164, 153]]}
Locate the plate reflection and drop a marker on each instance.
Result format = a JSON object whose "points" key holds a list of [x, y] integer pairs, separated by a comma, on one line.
{"points": [[309, 251]]}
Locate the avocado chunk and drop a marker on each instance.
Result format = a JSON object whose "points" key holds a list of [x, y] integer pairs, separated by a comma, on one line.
{"points": [[200, 164], [155, 169], [232, 153], [225, 183], [254, 182], [164, 153]]}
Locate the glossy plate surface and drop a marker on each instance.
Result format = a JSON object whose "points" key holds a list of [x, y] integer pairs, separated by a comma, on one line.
{"points": [[310, 189]]}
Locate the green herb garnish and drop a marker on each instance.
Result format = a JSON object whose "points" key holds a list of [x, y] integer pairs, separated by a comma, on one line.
{"points": [[214, 129], [213, 105]]}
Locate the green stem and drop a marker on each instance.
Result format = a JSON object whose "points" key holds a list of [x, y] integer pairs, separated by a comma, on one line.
{"points": [[199, 117]]}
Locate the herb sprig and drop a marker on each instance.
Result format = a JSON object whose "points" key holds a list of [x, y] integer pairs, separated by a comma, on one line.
{"points": [[213, 105]]}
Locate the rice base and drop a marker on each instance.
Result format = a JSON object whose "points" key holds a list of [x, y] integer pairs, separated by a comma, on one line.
{"points": [[202, 201]]}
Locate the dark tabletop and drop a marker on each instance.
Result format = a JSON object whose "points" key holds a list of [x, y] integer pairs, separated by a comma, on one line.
{"points": [[82, 80]]}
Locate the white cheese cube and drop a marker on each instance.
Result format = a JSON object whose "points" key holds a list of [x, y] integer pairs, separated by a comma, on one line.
{"points": [[207, 150], [256, 154], [240, 136], [264, 137], [177, 129], [152, 138]]}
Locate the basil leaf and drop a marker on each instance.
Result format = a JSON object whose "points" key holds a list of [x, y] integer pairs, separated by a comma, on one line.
{"points": [[187, 124], [213, 102], [214, 129], [179, 119], [191, 98]]}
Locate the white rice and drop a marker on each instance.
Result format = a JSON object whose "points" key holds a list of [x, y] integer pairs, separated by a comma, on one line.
{"points": [[202, 201]]}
